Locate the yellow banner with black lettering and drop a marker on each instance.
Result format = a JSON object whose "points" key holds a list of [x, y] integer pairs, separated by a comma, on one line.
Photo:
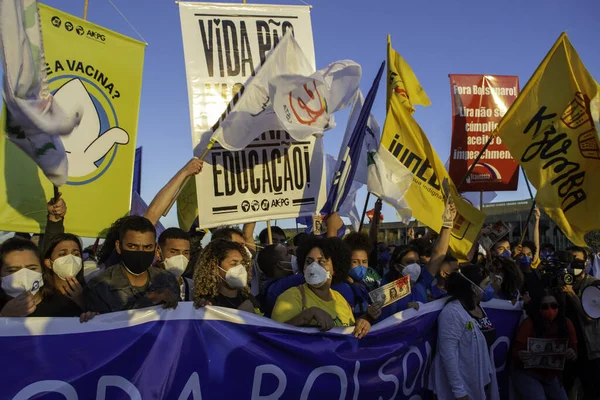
{"points": [[407, 142], [98, 71], [552, 131]]}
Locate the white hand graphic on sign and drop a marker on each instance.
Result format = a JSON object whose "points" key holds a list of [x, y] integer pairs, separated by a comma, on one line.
{"points": [[86, 144]]}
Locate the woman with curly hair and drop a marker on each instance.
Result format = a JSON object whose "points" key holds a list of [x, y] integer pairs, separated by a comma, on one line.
{"points": [[325, 262], [221, 277], [507, 279]]}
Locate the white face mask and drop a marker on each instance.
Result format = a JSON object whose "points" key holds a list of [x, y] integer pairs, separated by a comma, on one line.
{"points": [[413, 270], [315, 275], [176, 265], [294, 264], [236, 277], [22, 281], [67, 266]]}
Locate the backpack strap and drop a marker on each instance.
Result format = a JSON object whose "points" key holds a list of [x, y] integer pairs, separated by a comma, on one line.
{"points": [[303, 294]]}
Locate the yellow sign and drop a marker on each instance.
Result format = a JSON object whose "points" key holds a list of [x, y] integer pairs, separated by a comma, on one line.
{"points": [[99, 72], [402, 82], [405, 140], [552, 131]]}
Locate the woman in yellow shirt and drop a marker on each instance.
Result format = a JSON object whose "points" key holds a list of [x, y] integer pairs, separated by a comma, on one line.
{"points": [[326, 262]]}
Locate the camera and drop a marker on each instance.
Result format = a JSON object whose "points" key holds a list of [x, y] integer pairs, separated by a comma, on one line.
{"points": [[555, 273]]}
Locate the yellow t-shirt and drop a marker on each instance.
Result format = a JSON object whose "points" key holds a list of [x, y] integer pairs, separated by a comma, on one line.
{"points": [[289, 304]]}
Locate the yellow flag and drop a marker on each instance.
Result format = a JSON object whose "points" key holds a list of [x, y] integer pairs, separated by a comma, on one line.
{"points": [[550, 130], [99, 71], [405, 140], [402, 82], [187, 205]]}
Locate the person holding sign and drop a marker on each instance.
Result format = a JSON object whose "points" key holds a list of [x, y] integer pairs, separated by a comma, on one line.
{"points": [[462, 368], [326, 262], [548, 322], [221, 277]]}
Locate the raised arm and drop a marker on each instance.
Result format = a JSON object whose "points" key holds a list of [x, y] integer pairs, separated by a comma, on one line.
{"points": [[57, 209], [443, 241], [374, 226], [163, 198], [248, 231]]}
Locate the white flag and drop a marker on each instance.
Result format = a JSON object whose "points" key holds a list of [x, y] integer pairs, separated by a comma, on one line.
{"points": [[389, 180], [285, 94], [33, 119]]}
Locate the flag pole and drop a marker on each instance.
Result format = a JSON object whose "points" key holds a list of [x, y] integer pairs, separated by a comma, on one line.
{"points": [[481, 200], [532, 207], [364, 211], [85, 9], [269, 233]]}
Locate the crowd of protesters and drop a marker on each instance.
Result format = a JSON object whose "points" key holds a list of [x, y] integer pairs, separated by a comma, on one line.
{"points": [[322, 281]]}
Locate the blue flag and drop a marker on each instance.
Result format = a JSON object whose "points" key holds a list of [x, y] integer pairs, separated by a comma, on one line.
{"points": [[137, 171], [348, 159]]}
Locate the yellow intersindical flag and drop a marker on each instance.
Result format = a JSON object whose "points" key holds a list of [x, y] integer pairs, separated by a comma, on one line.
{"points": [[402, 82], [100, 71], [552, 131], [405, 140]]}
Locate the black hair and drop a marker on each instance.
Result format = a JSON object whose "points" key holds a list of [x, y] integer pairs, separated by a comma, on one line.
{"points": [[424, 247], [579, 249], [462, 289], [563, 257], [398, 254], [226, 233], [195, 250], [299, 238], [561, 318], [502, 239], [172, 233], [548, 246], [112, 236], [267, 260], [531, 245], [63, 237], [513, 276], [19, 244], [263, 236], [358, 241], [136, 223], [333, 249]]}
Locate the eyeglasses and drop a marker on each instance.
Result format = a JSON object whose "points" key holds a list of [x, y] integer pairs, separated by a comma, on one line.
{"points": [[546, 306]]}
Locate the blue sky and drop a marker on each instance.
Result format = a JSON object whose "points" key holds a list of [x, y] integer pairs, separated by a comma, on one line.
{"points": [[436, 37]]}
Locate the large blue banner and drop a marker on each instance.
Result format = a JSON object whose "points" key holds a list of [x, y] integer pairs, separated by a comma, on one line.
{"points": [[217, 353]]}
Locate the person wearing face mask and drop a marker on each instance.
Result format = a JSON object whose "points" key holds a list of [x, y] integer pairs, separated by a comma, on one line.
{"points": [[325, 262], [405, 262], [362, 279], [438, 288], [276, 263], [173, 251], [133, 283], [462, 368], [502, 248], [24, 293], [588, 331], [221, 277], [547, 322], [507, 279]]}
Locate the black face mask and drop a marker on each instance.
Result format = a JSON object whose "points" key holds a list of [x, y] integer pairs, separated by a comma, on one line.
{"points": [[137, 262]]}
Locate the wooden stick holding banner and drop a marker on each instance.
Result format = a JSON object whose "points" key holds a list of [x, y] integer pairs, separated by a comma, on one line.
{"points": [[464, 179], [56, 194], [185, 181], [269, 233], [362, 218], [85, 9]]}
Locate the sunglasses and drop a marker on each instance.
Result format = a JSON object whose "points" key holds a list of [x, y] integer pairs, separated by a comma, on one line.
{"points": [[546, 306]]}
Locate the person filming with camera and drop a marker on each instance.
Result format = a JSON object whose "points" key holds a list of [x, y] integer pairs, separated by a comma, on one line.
{"points": [[588, 331]]}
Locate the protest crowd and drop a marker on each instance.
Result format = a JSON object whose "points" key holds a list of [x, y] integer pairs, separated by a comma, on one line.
{"points": [[322, 281], [329, 278]]}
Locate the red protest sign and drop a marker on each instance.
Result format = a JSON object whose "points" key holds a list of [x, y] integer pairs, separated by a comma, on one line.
{"points": [[478, 104]]}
